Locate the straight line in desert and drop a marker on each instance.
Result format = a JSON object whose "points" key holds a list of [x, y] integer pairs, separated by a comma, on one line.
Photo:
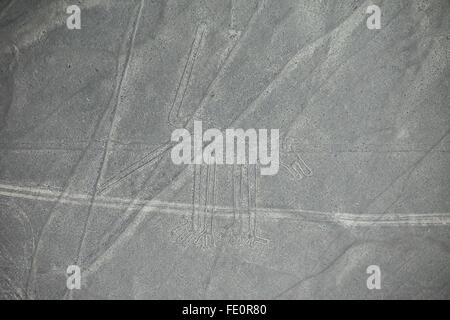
{"points": [[342, 218]]}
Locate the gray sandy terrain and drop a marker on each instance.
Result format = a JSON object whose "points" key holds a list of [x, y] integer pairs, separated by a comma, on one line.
{"points": [[86, 176]]}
